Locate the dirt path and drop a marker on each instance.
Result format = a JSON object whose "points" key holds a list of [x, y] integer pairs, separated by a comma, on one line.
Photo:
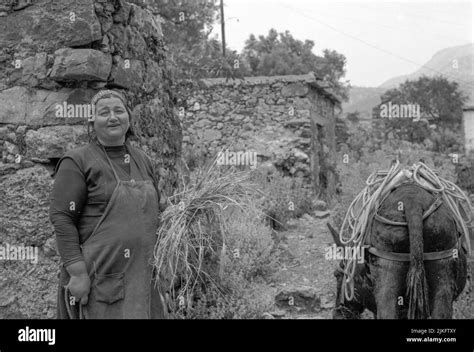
{"points": [[306, 272]]}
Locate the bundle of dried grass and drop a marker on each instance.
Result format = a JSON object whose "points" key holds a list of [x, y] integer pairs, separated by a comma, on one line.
{"points": [[192, 236]]}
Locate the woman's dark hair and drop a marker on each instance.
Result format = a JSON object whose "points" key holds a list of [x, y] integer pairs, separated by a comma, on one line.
{"points": [[104, 94]]}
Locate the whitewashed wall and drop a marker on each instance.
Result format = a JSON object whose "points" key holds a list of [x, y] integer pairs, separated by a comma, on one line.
{"points": [[468, 122]]}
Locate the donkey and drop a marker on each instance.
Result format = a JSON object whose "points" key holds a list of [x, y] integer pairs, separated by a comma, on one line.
{"points": [[416, 265]]}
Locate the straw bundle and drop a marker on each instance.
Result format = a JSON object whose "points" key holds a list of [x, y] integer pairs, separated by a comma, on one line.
{"points": [[191, 243]]}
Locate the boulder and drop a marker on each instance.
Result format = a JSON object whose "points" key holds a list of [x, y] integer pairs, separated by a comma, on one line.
{"points": [[31, 72], [81, 65], [321, 214], [145, 22], [209, 135], [20, 105], [299, 298], [128, 74], [295, 90], [53, 142], [319, 205], [48, 25]]}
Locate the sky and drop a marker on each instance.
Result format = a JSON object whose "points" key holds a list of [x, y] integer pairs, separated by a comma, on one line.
{"points": [[379, 39]]}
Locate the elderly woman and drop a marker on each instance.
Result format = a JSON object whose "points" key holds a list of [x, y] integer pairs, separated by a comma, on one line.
{"points": [[104, 209]]}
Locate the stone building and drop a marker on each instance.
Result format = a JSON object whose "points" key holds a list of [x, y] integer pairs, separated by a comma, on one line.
{"points": [[289, 121]]}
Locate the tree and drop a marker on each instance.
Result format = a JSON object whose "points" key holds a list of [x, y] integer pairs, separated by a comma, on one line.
{"points": [[439, 99], [187, 29], [440, 102], [282, 54]]}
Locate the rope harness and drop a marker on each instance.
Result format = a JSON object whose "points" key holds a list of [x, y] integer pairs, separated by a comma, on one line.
{"points": [[363, 210]]}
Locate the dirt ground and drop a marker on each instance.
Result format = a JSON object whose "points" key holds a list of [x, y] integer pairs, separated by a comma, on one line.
{"points": [[306, 269]]}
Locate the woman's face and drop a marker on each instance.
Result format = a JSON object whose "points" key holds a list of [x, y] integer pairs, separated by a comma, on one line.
{"points": [[111, 121]]}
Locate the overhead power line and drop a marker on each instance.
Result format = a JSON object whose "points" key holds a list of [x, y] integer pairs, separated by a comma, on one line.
{"points": [[372, 45]]}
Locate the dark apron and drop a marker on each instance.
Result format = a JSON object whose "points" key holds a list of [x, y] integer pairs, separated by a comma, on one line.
{"points": [[118, 254]]}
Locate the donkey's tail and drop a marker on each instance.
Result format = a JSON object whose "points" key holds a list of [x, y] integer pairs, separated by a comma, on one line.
{"points": [[417, 287]]}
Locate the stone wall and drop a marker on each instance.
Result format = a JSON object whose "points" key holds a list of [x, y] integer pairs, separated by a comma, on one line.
{"points": [[60, 53], [288, 120]]}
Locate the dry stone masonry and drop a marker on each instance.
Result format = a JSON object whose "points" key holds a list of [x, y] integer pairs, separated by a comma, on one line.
{"points": [[54, 56], [289, 121]]}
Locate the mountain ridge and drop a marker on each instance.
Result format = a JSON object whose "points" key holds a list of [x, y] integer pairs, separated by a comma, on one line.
{"points": [[455, 63]]}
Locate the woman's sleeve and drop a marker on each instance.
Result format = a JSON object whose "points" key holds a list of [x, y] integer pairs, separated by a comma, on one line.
{"points": [[154, 176], [67, 200]]}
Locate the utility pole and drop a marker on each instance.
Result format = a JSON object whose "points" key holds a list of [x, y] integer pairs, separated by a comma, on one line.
{"points": [[223, 28]]}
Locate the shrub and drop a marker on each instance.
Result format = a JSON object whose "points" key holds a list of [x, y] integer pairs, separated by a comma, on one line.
{"points": [[285, 198], [249, 261]]}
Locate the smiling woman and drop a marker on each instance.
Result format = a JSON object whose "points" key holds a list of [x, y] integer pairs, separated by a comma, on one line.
{"points": [[104, 209]]}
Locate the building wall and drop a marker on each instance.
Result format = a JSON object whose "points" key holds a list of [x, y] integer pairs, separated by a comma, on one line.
{"points": [[468, 123], [287, 120]]}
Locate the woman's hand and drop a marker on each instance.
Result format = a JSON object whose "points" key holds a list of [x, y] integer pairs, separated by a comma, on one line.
{"points": [[79, 284], [79, 287]]}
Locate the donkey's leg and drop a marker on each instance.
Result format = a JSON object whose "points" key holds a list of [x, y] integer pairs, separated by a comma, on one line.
{"points": [[389, 288], [442, 279]]}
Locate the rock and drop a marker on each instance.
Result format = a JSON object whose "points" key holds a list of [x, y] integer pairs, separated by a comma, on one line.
{"points": [[39, 160], [319, 205], [105, 44], [321, 214], [281, 101], [123, 13], [33, 70], [300, 298], [8, 168], [267, 316], [327, 302], [53, 142], [297, 122], [203, 123], [11, 137], [304, 114], [128, 74], [3, 132], [294, 90], [19, 105], [21, 130], [22, 29], [300, 155], [209, 135], [49, 247], [81, 65], [21, 4], [145, 22], [278, 314], [11, 148]]}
